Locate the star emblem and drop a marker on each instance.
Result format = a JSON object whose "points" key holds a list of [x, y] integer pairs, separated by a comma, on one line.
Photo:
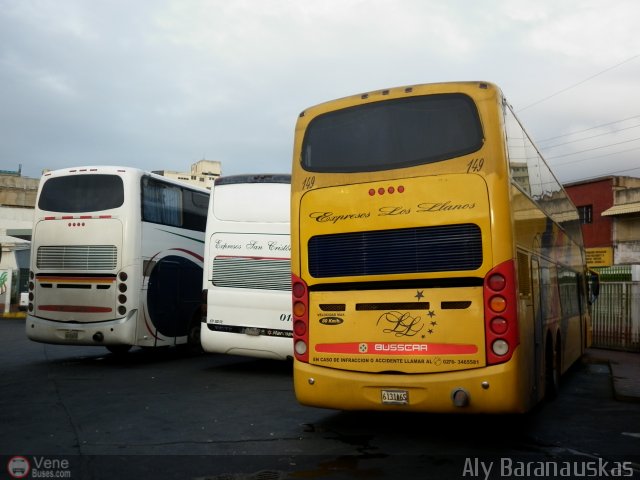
{"points": [[431, 313], [419, 294]]}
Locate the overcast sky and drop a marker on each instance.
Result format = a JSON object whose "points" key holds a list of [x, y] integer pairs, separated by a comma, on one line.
{"points": [[161, 84]]}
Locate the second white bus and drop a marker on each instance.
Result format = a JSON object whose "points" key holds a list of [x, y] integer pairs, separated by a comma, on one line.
{"points": [[247, 273]]}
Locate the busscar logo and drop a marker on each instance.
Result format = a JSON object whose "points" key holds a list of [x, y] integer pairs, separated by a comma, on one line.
{"points": [[330, 321], [18, 467]]}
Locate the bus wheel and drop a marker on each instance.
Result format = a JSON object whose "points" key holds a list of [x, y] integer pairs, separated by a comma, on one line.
{"points": [[552, 369], [194, 345], [119, 349]]}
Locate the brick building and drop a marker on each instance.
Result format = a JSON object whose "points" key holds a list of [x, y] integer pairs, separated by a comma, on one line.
{"points": [[609, 209]]}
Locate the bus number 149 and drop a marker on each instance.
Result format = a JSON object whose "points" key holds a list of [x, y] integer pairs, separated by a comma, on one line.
{"points": [[475, 165], [308, 183]]}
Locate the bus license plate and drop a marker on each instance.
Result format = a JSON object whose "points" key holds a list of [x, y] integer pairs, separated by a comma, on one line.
{"points": [[395, 397], [71, 335]]}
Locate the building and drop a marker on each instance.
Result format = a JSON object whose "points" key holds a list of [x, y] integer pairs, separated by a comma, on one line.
{"points": [[17, 201], [203, 173], [609, 209]]}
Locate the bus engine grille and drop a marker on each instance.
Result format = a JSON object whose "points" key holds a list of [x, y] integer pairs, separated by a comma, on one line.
{"points": [[248, 272], [406, 250], [77, 257]]}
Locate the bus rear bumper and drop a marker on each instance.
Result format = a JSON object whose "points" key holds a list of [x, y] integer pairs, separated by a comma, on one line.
{"points": [[115, 332], [259, 346], [495, 389], [249, 323]]}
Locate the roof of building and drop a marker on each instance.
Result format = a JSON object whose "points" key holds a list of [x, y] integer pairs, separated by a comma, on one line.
{"points": [[622, 209]]}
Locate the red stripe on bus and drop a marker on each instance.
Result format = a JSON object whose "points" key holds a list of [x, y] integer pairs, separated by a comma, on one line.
{"points": [[386, 348], [193, 254], [51, 278], [74, 308]]}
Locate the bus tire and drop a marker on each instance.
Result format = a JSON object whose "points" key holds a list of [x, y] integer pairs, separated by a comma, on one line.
{"points": [[552, 369], [194, 345], [119, 349]]}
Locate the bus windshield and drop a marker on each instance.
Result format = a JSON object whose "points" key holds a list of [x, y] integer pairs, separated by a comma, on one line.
{"points": [[392, 134], [69, 193]]}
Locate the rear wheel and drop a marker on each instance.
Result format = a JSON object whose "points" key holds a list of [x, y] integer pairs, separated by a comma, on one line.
{"points": [[119, 349], [194, 345]]}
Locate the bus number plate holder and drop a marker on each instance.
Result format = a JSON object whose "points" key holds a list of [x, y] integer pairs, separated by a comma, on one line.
{"points": [[395, 397], [71, 334]]}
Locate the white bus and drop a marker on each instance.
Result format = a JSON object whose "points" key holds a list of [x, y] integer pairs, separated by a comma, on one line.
{"points": [[247, 277], [116, 259]]}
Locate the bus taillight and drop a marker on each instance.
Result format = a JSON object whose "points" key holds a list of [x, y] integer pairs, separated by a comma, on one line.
{"points": [[500, 313], [300, 318], [32, 288], [122, 288]]}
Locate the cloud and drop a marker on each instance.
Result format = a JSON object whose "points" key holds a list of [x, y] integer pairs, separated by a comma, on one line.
{"points": [[160, 84]]}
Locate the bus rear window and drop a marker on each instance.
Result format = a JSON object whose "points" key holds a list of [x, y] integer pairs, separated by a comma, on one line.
{"points": [[81, 193], [392, 134]]}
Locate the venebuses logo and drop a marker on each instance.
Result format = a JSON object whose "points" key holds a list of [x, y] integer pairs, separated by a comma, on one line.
{"points": [[18, 467], [39, 467]]}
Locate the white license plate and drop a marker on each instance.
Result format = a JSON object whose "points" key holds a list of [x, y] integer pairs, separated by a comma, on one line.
{"points": [[254, 332], [71, 335], [395, 397]]}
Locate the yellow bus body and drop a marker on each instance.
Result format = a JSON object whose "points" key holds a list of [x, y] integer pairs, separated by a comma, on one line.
{"points": [[412, 340]]}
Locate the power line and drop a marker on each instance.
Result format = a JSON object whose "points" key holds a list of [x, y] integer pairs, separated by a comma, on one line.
{"points": [[589, 138], [593, 158], [579, 83], [585, 130], [594, 148], [605, 174]]}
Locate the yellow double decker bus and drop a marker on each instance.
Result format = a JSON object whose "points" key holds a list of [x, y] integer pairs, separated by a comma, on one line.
{"points": [[437, 262]]}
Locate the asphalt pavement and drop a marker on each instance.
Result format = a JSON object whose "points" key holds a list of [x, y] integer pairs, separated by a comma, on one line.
{"points": [[625, 371]]}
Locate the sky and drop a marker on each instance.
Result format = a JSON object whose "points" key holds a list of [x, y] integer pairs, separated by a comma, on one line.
{"points": [[161, 84]]}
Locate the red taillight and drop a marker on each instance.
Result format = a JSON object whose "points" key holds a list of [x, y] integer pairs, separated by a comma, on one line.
{"points": [[501, 313], [498, 326], [382, 190], [300, 328], [298, 289], [496, 282], [300, 318]]}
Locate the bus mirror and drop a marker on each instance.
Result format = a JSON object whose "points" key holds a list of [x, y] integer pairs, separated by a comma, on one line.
{"points": [[594, 286]]}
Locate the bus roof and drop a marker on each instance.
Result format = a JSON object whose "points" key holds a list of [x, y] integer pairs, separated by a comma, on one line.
{"points": [[118, 170], [253, 178]]}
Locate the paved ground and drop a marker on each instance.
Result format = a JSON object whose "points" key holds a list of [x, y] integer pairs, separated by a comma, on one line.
{"points": [[625, 371], [219, 417]]}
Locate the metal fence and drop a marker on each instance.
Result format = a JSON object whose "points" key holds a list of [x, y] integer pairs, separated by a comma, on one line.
{"points": [[616, 316]]}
